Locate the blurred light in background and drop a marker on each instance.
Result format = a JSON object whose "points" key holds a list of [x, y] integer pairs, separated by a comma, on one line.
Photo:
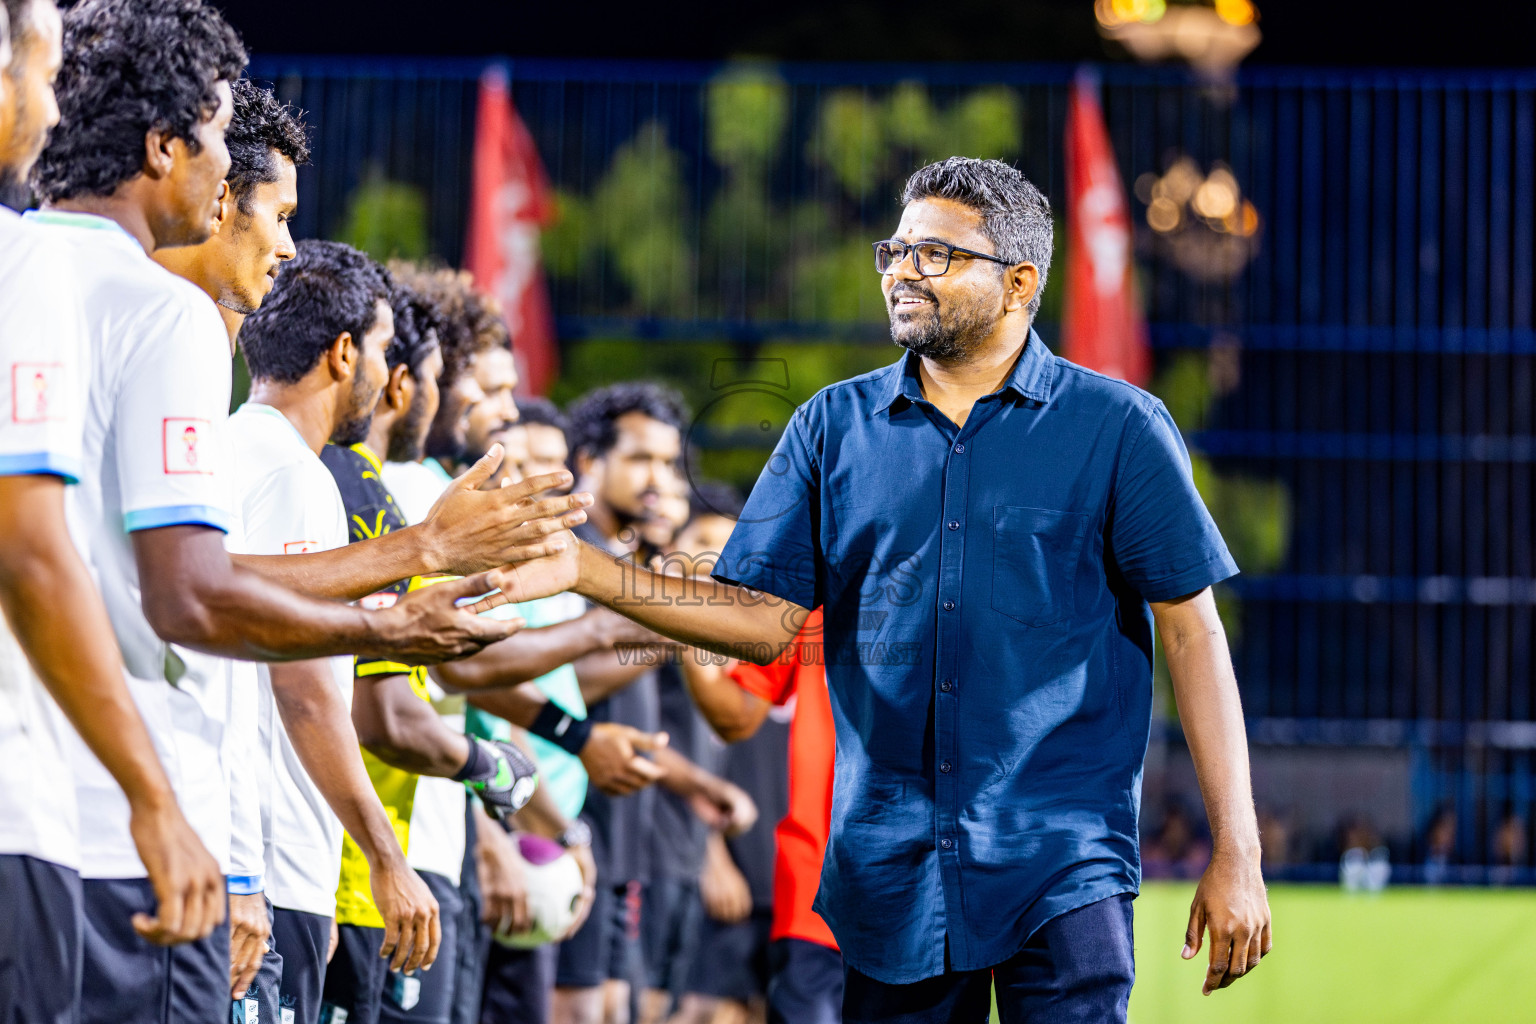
{"points": [[1212, 38], [1201, 222]]}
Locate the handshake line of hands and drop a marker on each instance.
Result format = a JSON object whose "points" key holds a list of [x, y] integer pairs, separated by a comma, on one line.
{"points": [[481, 535]]}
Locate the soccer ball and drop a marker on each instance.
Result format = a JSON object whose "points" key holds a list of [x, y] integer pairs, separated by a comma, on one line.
{"points": [[554, 889]]}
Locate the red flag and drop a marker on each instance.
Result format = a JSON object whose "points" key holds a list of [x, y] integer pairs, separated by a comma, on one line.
{"points": [[1102, 326], [510, 202]]}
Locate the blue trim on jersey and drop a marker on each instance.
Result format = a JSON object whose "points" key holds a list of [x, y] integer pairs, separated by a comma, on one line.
{"points": [[176, 515], [39, 463], [243, 885]]}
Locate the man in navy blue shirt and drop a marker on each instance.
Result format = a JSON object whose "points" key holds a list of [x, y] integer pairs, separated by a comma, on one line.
{"points": [[994, 534]]}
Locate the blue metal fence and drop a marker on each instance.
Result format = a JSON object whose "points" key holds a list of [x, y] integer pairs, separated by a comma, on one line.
{"points": [[1379, 349]]}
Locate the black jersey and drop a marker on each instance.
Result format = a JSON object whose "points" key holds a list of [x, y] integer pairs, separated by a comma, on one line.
{"points": [[371, 512]]}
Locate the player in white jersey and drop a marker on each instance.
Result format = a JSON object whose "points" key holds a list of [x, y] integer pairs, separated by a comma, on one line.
{"points": [[138, 163], [317, 360], [43, 371]]}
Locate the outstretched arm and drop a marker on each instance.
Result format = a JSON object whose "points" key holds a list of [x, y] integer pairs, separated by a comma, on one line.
{"points": [[1230, 901], [76, 658], [401, 729], [534, 652], [467, 531], [193, 595], [704, 613]]}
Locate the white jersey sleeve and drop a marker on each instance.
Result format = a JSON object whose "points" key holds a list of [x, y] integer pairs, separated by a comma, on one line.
{"points": [[172, 406], [241, 753], [42, 357]]}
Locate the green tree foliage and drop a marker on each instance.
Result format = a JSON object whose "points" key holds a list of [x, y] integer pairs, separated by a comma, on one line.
{"points": [[747, 106], [386, 219]]}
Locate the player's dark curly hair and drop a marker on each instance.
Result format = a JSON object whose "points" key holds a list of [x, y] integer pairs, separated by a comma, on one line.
{"points": [[262, 126], [468, 321], [326, 289], [417, 321], [542, 412], [132, 67], [593, 416]]}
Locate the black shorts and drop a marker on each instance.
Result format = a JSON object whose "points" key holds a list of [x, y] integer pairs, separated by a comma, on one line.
{"points": [[732, 961], [128, 980], [354, 979], [426, 997], [1079, 966], [518, 983], [302, 940], [608, 945], [40, 940], [669, 934]]}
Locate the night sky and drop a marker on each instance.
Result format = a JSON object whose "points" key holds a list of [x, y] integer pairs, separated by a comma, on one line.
{"points": [[1311, 32]]}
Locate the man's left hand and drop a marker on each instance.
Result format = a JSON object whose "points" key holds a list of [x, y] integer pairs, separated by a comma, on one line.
{"points": [[1229, 902]]}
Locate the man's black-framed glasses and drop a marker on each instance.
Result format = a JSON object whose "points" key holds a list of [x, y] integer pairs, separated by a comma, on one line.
{"points": [[930, 259]]}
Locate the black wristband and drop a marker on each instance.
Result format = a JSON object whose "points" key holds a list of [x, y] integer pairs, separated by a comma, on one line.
{"points": [[567, 733], [481, 763]]}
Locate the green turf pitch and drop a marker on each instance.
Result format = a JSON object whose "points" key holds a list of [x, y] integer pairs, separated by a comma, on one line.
{"points": [[1407, 956]]}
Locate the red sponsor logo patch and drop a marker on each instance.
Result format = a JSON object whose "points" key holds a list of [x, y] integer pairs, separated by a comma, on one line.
{"points": [[379, 601], [300, 547], [35, 396], [186, 446]]}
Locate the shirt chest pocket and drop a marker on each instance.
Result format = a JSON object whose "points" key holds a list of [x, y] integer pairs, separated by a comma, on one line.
{"points": [[1035, 556]]}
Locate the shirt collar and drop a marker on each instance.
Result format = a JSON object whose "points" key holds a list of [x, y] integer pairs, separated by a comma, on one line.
{"points": [[87, 221], [1033, 373], [373, 460]]}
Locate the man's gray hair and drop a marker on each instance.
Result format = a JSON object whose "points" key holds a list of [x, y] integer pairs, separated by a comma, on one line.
{"points": [[1014, 214]]}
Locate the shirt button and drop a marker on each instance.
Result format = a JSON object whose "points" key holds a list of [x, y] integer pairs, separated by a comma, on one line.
{"points": [[949, 606], [954, 524], [946, 843], [945, 767], [959, 449], [946, 686]]}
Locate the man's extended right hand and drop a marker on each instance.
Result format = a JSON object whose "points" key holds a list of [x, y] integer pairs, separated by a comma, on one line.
{"points": [[428, 626], [189, 887], [469, 530], [613, 757], [413, 927]]}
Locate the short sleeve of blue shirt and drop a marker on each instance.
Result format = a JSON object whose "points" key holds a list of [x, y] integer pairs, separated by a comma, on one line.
{"points": [[1163, 538], [775, 546]]}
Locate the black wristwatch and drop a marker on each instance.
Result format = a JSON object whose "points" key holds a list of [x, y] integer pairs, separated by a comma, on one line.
{"points": [[578, 833]]}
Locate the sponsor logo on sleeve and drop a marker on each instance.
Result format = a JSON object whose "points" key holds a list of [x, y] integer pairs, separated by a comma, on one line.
{"points": [[186, 446], [35, 392], [300, 547]]}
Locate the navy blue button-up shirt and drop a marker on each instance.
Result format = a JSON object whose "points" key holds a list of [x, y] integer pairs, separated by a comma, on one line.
{"points": [[988, 643]]}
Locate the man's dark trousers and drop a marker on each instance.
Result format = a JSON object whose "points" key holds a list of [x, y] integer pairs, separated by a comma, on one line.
{"points": [[1077, 969]]}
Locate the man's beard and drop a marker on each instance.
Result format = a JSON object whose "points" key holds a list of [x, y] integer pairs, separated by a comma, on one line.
{"points": [[405, 441], [935, 333], [474, 451], [354, 429], [444, 440]]}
